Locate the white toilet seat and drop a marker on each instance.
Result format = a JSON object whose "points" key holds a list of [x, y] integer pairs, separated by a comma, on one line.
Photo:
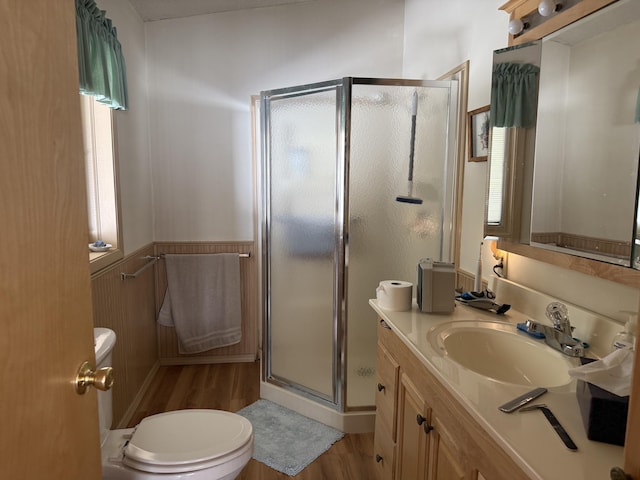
{"points": [[187, 440]]}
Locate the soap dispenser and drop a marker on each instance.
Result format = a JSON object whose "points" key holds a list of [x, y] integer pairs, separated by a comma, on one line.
{"points": [[627, 337]]}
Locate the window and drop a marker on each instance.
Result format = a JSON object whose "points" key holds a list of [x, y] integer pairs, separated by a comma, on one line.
{"points": [[503, 216], [102, 181]]}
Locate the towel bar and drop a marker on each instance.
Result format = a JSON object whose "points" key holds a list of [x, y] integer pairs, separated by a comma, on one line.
{"points": [[151, 261], [241, 255]]}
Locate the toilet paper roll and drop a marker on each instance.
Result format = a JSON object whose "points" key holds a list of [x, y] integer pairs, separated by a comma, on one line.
{"points": [[394, 295]]}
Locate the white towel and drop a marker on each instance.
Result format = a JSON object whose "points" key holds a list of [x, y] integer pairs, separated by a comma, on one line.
{"points": [[202, 301]]}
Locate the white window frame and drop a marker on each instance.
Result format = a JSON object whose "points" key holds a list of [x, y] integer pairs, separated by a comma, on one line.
{"points": [[101, 165]]}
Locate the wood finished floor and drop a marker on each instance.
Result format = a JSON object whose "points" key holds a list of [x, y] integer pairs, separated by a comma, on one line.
{"points": [[234, 386]]}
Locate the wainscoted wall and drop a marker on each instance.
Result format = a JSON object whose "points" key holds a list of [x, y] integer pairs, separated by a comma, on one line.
{"points": [[128, 308], [465, 281], [247, 349]]}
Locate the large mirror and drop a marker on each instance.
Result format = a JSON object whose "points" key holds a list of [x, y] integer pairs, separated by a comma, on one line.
{"points": [[579, 194], [514, 97]]}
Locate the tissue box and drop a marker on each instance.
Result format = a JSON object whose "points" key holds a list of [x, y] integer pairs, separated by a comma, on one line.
{"points": [[604, 414]]}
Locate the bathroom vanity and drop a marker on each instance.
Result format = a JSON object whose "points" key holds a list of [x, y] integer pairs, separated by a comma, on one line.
{"points": [[438, 420]]}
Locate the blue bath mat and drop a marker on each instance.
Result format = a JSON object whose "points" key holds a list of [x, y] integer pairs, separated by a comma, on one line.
{"points": [[285, 440]]}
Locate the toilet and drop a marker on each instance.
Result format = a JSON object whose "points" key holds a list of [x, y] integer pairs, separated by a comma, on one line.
{"points": [[196, 444]]}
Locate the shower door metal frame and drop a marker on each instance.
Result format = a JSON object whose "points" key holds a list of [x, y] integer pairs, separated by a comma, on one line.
{"points": [[338, 254], [343, 88]]}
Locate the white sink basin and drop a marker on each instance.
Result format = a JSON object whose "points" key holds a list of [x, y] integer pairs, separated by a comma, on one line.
{"points": [[497, 350]]}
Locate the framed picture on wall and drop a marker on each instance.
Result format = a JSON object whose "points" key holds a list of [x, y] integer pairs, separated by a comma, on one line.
{"points": [[478, 132]]}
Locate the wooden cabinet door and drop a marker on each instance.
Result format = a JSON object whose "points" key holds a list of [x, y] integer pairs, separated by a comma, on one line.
{"points": [[445, 463], [387, 371], [413, 443], [384, 453], [386, 388]]}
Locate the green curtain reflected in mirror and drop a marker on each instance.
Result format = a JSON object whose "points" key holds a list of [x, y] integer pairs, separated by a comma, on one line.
{"points": [[514, 94]]}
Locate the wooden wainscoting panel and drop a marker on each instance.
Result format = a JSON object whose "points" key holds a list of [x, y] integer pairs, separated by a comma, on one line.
{"points": [[128, 308], [584, 243], [465, 281], [247, 349]]}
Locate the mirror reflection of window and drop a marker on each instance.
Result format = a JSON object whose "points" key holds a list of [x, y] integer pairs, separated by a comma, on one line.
{"points": [[513, 113], [495, 200]]}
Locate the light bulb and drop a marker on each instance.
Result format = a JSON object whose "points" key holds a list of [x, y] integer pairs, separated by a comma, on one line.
{"points": [[546, 7], [515, 26]]}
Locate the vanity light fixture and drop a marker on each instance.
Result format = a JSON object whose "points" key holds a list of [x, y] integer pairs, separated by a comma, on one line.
{"points": [[517, 25], [548, 7]]}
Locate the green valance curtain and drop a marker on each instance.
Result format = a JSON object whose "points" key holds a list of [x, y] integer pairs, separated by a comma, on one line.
{"points": [[514, 95], [100, 60]]}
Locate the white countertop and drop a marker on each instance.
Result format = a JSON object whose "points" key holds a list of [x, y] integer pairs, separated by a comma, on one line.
{"points": [[527, 437]]}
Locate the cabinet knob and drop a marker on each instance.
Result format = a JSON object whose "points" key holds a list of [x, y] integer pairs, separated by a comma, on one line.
{"points": [[618, 474], [380, 387], [423, 421], [378, 458]]}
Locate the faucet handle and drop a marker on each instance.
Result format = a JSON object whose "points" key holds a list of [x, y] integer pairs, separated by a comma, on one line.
{"points": [[558, 313], [576, 350]]}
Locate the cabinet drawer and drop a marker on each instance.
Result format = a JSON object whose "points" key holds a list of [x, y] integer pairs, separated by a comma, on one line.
{"points": [[386, 390], [384, 453]]}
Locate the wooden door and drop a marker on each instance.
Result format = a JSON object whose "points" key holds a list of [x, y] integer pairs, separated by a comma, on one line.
{"points": [[48, 431]]}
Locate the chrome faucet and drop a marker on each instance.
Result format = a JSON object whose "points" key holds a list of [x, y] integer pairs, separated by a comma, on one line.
{"points": [[559, 336]]}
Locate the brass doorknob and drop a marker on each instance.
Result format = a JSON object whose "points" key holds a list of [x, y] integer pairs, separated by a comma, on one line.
{"points": [[102, 379]]}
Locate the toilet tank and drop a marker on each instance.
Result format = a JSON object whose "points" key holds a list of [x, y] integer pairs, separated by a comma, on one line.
{"points": [[104, 339]]}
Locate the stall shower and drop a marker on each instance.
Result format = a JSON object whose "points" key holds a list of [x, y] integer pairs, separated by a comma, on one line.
{"points": [[335, 157]]}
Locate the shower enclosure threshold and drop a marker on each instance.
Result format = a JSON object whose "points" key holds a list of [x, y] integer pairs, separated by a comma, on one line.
{"points": [[360, 421]]}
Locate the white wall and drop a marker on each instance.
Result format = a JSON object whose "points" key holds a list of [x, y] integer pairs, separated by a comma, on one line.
{"points": [[595, 123], [202, 71], [132, 129], [548, 192], [607, 65]]}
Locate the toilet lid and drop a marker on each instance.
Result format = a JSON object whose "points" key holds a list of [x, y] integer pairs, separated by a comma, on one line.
{"points": [[185, 440]]}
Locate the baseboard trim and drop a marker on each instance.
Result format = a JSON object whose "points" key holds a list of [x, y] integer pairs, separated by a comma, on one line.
{"points": [[128, 415], [361, 421], [208, 359]]}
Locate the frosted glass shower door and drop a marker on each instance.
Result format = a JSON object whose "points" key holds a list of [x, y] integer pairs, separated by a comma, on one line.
{"points": [[301, 239], [387, 238]]}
